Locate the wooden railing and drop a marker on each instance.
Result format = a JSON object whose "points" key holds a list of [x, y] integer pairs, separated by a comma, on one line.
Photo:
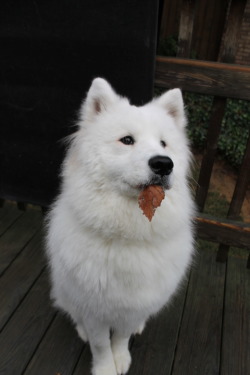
{"points": [[222, 79], [225, 81]]}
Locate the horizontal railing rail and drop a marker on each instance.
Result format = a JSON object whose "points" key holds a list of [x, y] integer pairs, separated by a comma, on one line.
{"points": [[204, 77]]}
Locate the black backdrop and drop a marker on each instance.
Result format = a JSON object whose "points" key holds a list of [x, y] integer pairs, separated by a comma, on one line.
{"points": [[50, 52]]}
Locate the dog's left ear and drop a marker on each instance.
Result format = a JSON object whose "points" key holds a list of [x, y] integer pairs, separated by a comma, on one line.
{"points": [[172, 102], [99, 98]]}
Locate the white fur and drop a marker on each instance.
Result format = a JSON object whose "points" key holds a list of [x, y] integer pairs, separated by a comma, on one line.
{"points": [[111, 268]]}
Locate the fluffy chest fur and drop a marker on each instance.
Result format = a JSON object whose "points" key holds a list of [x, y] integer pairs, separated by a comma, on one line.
{"points": [[128, 265]]}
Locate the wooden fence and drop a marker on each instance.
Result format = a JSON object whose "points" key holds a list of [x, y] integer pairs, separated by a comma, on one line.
{"points": [[223, 80]]}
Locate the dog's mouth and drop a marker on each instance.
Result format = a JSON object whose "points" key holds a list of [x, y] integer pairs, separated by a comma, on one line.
{"points": [[164, 182]]}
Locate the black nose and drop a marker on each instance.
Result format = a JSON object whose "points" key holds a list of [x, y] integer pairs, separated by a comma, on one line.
{"points": [[161, 165]]}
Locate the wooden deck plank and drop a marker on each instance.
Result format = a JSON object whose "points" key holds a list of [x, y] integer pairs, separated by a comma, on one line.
{"points": [[18, 235], [22, 334], [236, 327], [153, 351], [84, 364], [18, 278], [185, 338], [59, 350], [8, 215], [198, 350]]}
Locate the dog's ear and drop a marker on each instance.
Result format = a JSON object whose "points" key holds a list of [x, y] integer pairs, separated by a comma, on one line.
{"points": [[100, 96], [172, 102]]}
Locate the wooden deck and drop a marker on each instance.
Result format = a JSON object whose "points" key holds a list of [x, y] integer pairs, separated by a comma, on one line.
{"points": [[205, 330]]}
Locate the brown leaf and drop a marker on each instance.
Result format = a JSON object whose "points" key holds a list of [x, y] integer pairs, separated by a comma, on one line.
{"points": [[149, 199]]}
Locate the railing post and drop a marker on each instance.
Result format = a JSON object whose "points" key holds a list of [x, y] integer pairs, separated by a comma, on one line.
{"points": [[238, 199]]}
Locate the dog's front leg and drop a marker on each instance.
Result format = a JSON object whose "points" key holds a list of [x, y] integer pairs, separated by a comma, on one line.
{"points": [[99, 339], [121, 353]]}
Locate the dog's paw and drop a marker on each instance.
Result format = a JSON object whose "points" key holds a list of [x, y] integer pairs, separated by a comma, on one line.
{"points": [[108, 369], [122, 361]]}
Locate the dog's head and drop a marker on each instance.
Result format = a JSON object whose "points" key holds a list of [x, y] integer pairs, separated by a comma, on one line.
{"points": [[127, 148]]}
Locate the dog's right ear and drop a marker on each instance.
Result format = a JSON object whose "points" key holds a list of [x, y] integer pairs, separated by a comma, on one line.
{"points": [[100, 96], [172, 102]]}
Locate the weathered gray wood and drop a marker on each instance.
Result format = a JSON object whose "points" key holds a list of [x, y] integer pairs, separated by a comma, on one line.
{"points": [[198, 349], [232, 233], [59, 350], [8, 215], [22, 334], [14, 240], [236, 325], [22, 206], [84, 364], [32, 342], [204, 77], [153, 352], [170, 18], [19, 277], [229, 43], [186, 28]]}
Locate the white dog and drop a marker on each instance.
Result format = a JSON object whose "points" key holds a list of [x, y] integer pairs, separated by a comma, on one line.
{"points": [[111, 269]]}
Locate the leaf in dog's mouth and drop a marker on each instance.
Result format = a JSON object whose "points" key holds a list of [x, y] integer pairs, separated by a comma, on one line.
{"points": [[150, 198]]}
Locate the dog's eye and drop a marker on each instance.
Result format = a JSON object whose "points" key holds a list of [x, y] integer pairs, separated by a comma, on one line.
{"points": [[163, 143], [128, 140]]}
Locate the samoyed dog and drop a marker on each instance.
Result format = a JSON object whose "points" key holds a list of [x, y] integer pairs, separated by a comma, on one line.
{"points": [[112, 268]]}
